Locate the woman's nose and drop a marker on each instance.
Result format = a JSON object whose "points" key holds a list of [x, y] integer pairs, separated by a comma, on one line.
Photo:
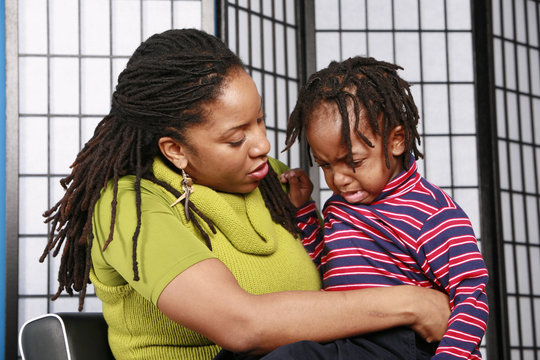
{"points": [[260, 146]]}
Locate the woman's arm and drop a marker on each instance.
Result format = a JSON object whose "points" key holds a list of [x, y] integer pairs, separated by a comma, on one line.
{"points": [[207, 298]]}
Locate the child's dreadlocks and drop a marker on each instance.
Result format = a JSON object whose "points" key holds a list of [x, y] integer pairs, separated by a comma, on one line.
{"points": [[363, 83], [161, 93]]}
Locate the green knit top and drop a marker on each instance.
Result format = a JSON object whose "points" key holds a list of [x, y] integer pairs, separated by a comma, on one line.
{"points": [[261, 254]]}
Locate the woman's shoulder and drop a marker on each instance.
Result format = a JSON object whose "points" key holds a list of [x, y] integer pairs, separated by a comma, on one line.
{"points": [[126, 192]]}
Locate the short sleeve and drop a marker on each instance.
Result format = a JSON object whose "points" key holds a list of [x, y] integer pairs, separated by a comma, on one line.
{"points": [[165, 246]]}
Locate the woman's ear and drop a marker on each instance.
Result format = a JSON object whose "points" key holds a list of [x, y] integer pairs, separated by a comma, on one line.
{"points": [[173, 151], [396, 141]]}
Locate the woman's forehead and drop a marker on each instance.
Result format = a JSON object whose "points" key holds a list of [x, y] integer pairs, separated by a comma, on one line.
{"points": [[239, 101]]}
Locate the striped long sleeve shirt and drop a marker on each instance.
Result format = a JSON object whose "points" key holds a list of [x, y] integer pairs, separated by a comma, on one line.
{"points": [[413, 234]]}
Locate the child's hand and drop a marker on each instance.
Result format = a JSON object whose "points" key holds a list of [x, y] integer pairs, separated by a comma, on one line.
{"points": [[300, 186]]}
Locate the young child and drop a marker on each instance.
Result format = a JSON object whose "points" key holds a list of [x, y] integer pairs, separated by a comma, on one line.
{"points": [[384, 225]]}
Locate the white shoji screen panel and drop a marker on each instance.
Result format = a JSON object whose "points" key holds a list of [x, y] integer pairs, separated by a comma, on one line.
{"points": [[263, 34], [70, 55], [516, 44], [432, 41]]}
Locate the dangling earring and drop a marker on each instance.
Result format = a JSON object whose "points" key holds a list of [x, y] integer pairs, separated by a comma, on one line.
{"points": [[187, 184]]}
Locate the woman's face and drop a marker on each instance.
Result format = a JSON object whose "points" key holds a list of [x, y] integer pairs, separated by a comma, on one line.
{"points": [[228, 151]]}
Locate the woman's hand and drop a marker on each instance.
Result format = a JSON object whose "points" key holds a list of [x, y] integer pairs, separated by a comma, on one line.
{"points": [[300, 186], [432, 311]]}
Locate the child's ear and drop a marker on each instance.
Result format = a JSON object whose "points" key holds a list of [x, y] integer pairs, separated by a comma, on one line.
{"points": [[396, 141], [173, 151]]}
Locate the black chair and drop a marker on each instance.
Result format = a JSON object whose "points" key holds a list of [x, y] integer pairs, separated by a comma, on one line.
{"points": [[65, 336]]}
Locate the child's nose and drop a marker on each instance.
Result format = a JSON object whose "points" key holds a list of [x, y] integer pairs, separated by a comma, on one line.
{"points": [[341, 178]]}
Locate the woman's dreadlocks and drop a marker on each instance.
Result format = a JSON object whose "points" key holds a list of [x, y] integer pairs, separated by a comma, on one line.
{"points": [[160, 93], [364, 83]]}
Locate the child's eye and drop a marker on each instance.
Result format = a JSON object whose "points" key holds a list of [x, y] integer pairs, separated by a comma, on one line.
{"points": [[324, 166], [260, 119]]}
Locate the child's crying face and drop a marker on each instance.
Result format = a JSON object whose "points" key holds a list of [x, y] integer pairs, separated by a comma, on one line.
{"points": [[359, 173]]}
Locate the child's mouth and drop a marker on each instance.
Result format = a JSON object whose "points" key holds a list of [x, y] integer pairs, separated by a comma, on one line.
{"points": [[354, 197]]}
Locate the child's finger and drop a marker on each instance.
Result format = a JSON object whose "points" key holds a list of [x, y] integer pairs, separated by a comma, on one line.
{"points": [[290, 174], [294, 180]]}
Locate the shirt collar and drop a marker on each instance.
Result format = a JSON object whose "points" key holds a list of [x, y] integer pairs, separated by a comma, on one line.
{"points": [[402, 183]]}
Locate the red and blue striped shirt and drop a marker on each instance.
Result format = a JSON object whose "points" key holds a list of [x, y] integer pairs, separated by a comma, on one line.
{"points": [[413, 234]]}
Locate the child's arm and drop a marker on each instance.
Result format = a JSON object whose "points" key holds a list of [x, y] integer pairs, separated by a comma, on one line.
{"points": [[450, 255], [300, 186], [307, 217]]}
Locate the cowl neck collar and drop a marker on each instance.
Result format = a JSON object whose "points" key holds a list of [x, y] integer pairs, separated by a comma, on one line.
{"points": [[257, 236]]}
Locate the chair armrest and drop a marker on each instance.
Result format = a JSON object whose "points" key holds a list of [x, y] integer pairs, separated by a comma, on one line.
{"points": [[69, 336]]}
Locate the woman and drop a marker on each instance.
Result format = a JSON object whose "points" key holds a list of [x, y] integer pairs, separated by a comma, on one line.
{"points": [[175, 213]]}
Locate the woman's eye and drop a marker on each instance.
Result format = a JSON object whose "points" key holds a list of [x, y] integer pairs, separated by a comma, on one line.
{"points": [[237, 143]]}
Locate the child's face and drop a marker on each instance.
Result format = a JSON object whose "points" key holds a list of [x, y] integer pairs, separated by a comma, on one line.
{"points": [[370, 174]]}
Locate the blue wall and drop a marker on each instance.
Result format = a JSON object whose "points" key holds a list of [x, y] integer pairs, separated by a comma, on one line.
{"points": [[2, 180]]}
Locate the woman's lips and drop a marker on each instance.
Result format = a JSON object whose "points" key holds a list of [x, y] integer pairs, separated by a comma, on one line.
{"points": [[260, 172]]}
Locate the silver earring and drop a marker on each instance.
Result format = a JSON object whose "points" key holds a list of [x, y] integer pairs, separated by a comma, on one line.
{"points": [[187, 186]]}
